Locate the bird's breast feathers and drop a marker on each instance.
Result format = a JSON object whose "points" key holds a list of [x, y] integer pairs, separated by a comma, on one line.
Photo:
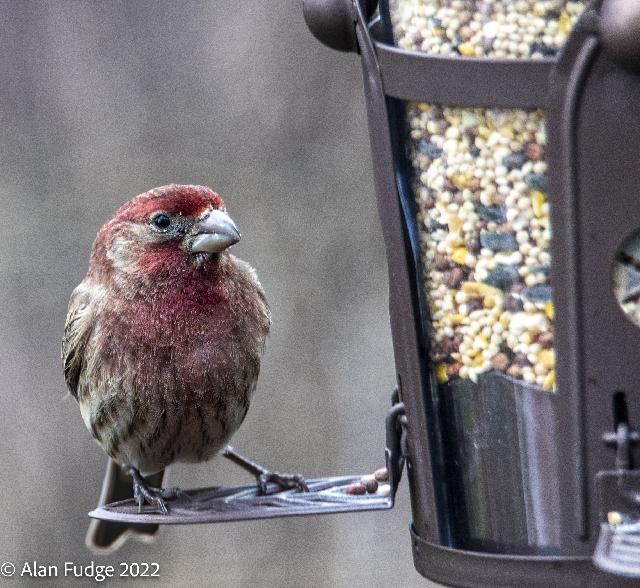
{"points": [[205, 332]]}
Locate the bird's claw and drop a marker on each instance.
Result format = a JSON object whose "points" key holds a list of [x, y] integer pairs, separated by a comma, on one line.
{"points": [[285, 481], [144, 492], [264, 476]]}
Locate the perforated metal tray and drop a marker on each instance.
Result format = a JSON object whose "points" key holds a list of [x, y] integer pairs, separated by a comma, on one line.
{"points": [[222, 504]]}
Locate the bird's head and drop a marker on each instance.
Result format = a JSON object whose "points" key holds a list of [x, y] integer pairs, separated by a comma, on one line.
{"points": [[166, 230]]}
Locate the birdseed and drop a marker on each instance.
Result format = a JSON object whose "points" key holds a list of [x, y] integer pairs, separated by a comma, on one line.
{"points": [[508, 29], [480, 186]]}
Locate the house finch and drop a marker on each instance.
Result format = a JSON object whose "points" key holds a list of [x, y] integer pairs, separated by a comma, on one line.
{"points": [[162, 344]]}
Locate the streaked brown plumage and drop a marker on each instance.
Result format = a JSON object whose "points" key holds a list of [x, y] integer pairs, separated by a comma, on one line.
{"points": [[164, 335]]}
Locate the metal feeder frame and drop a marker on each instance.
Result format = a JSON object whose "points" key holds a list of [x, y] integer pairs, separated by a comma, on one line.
{"points": [[584, 435]]}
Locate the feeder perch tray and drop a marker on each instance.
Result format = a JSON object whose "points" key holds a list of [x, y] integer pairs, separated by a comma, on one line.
{"points": [[326, 495], [239, 503], [223, 504]]}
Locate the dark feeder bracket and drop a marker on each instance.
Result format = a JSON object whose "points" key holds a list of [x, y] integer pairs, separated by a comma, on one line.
{"points": [[510, 485]]}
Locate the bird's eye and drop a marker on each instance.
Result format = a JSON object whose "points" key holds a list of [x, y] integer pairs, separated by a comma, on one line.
{"points": [[161, 221]]}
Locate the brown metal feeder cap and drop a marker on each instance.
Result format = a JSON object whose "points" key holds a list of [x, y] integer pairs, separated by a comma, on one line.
{"points": [[332, 22], [620, 31]]}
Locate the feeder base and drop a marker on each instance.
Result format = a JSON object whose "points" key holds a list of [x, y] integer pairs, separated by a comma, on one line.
{"points": [[472, 569]]}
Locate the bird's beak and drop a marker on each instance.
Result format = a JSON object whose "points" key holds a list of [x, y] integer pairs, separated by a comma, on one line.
{"points": [[214, 233]]}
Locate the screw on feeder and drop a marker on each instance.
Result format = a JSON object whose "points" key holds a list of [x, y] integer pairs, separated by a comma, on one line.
{"points": [[623, 439]]}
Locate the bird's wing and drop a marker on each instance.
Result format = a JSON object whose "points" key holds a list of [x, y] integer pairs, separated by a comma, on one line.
{"points": [[77, 329]]}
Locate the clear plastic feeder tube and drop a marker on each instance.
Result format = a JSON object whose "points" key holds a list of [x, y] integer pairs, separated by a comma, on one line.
{"points": [[483, 214], [480, 186]]}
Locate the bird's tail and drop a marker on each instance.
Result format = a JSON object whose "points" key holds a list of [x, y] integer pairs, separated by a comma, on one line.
{"points": [[106, 536]]}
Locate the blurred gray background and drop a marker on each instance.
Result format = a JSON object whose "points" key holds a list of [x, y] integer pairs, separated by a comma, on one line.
{"points": [[100, 101]]}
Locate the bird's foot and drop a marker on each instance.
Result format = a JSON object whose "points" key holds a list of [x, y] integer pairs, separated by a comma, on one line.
{"points": [[144, 492], [263, 475], [284, 480]]}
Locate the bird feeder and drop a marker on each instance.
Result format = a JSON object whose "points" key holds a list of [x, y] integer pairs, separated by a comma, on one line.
{"points": [[505, 141]]}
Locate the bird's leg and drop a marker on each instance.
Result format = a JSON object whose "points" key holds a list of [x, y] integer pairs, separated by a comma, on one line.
{"points": [[144, 492], [263, 475]]}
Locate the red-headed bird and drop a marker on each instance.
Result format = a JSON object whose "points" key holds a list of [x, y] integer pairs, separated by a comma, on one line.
{"points": [[162, 343]]}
